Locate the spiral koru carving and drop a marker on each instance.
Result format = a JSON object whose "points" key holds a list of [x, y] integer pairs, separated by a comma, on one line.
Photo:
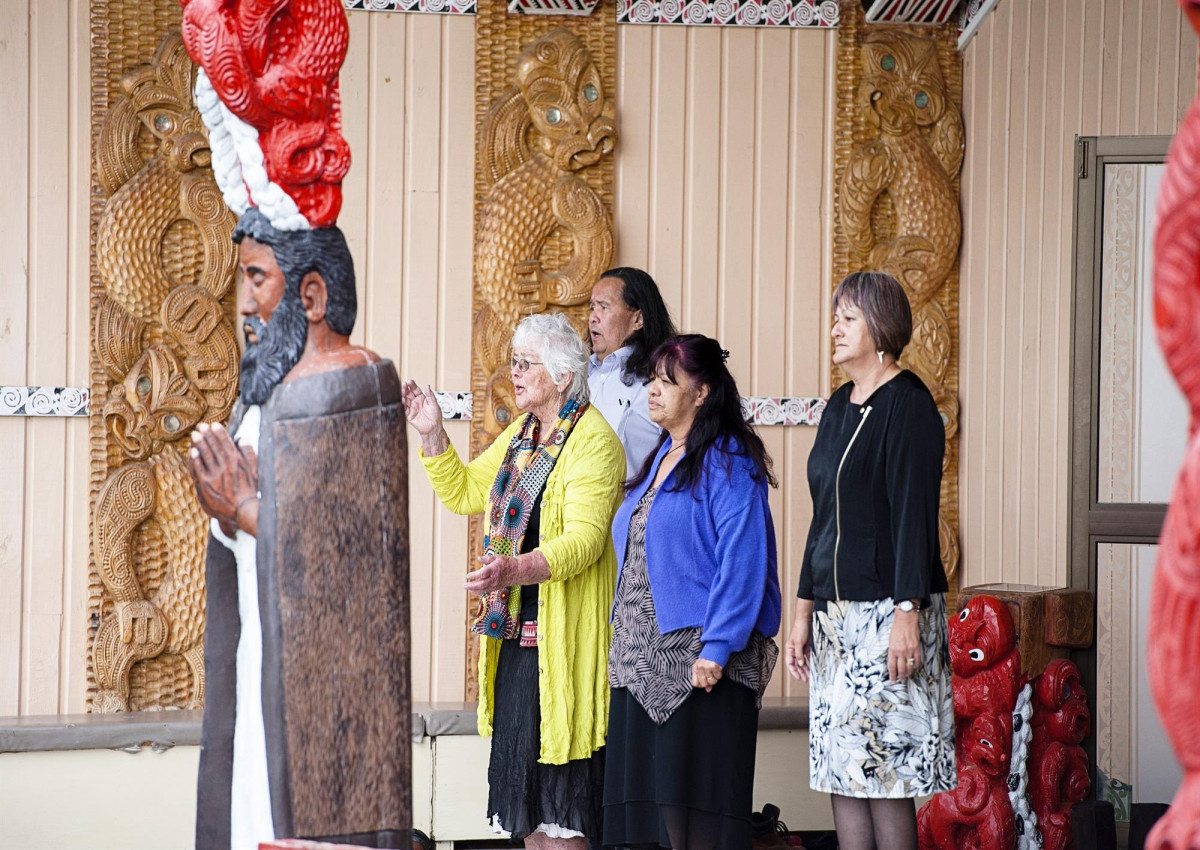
{"points": [[538, 140], [162, 334]]}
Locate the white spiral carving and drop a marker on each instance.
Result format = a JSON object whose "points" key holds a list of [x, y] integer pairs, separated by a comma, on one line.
{"points": [[11, 399], [750, 13], [777, 12], [696, 12], [70, 399], [1018, 797], [41, 403], [642, 12]]}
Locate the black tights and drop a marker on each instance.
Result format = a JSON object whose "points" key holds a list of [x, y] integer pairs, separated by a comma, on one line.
{"points": [[874, 824]]}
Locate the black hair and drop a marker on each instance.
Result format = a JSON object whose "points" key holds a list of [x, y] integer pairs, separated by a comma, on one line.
{"points": [[640, 292], [719, 423], [298, 252]]}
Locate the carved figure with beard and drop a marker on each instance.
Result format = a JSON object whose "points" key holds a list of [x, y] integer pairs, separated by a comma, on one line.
{"points": [[306, 647]]}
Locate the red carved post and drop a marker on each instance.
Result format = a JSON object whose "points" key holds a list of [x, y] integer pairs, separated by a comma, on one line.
{"points": [[1174, 635], [1058, 767], [987, 681]]}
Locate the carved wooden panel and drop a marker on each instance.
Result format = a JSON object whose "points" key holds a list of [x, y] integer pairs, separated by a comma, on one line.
{"points": [[163, 358], [545, 134], [899, 147]]}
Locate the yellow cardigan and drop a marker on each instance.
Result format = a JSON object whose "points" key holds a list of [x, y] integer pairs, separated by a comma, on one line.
{"points": [[581, 495]]}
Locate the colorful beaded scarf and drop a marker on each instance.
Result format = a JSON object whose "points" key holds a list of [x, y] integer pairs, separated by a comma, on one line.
{"points": [[527, 465]]}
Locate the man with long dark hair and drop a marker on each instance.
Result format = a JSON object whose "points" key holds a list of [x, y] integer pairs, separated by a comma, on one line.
{"points": [[628, 321]]}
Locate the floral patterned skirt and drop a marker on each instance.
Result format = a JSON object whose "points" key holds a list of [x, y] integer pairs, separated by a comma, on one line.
{"points": [[869, 737]]}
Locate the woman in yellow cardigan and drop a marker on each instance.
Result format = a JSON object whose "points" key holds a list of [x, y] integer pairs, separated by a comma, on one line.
{"points": [[549, 484]]}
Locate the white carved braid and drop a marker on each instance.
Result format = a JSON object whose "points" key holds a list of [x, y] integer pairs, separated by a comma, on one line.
{"points": [[238, 162]]}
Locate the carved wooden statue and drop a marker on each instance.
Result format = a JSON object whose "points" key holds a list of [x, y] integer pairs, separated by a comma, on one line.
{"points": [[553, 123], [900, 150], [987, 686], [1058, 767], [1174, 634], [308, 718], [1020, 763], [162, 334]]}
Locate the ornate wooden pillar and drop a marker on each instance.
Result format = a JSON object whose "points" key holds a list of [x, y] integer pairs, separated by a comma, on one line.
{"points": [[163, 357], [898, 150]]}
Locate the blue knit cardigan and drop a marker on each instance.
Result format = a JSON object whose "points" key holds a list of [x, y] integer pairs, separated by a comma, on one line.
{"points": [[710, 554]]}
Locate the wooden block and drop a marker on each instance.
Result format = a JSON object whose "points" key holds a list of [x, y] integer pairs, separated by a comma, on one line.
{"points": [[1049, 621], [1070, 618]]}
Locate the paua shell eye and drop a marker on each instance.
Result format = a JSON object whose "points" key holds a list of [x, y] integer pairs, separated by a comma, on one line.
{"points": [[921, 100], [163, 123], [143, 385], [963, 614], [888, 62], [976, 654], [553, 116], [170, 423], [985, 742], [590, 93]]}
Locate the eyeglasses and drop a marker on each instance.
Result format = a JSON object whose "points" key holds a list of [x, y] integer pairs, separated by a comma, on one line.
{"points": [[520, 364]]}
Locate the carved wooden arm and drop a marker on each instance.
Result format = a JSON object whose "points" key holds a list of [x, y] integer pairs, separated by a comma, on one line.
{"points": [[868, 174], [578, 209]]}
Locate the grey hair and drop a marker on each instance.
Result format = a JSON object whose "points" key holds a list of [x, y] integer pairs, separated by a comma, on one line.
{"points": [[561, 349]]}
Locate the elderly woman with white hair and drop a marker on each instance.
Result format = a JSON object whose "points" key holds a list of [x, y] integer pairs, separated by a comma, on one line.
{"points": [[549, 485]]}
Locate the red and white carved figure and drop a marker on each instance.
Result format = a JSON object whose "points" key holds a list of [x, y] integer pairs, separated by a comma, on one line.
{"points": [[987, 679], [269, 95], [1174, 633], [1058, 767], [976, 815], [984, 658]]}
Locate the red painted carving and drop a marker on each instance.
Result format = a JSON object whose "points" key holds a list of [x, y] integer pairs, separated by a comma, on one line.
{"points": [[987, 679], [1058, 768], [975, 815], [274, 64], [984, 658], [1174, 634]]}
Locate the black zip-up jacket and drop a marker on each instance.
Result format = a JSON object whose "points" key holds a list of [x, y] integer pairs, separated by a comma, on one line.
{"points": [[876, 467]]}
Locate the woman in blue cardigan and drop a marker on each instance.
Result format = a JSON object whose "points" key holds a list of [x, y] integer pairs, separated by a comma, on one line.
{"points": [[696, 606]]}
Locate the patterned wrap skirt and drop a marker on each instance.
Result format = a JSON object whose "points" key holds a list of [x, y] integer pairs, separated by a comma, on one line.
{"points": [[868, 737]]}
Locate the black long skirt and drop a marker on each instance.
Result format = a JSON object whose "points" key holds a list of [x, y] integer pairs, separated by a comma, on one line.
{"points": [[687, 784], [523, 793]]}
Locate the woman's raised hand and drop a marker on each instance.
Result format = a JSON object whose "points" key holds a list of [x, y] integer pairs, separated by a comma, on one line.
{"points": [[421, 408], [425, 414]]}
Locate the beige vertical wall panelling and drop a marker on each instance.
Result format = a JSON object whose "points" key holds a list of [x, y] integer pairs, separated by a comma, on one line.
{"points": [[43, 340], [721, 192], [723, 195], [1036, 75], [408, 100], [14, 296]]}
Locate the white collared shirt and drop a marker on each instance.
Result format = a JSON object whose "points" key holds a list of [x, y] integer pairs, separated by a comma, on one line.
{"points": [[624, 407]]}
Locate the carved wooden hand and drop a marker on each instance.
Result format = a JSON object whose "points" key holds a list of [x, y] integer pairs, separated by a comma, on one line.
{"points": [[226, 478]]}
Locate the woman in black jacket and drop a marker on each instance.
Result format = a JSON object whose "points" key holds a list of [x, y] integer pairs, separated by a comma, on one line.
{"points": [[869, 631]]}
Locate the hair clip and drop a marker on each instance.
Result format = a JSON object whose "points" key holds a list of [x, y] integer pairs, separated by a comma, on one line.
{"points": [[724, 354]]}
